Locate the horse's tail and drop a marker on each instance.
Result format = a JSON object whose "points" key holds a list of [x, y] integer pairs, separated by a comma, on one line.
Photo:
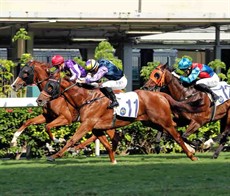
{"points": [[182, 106]]}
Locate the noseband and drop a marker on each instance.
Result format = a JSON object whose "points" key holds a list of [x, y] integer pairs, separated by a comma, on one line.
{"points": [[158, 77]]}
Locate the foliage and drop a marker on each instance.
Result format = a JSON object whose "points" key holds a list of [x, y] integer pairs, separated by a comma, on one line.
{"points": [[6, 73], [34, 136], [106, 50], [79, 61], [26, 57], [21, 34], [217, 65], [146, 70]]}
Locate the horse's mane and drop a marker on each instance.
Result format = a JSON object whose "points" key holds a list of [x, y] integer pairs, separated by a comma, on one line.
{"points": [[42, 64], [187, 91]]}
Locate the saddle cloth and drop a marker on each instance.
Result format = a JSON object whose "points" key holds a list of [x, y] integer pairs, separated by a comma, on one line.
{"points": [[223, 91], [128, 104]]}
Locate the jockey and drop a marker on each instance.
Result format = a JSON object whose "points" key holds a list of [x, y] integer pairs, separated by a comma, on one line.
{"points": [[207, 78], [76, 70], [116, 79]]}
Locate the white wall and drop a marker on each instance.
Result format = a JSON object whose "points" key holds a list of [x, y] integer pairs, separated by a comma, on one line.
{"points": [[117, 8]]}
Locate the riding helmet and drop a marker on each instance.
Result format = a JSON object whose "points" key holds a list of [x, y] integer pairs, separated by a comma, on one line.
{"points": [[57, 60], [184, 63], [91, 65]]}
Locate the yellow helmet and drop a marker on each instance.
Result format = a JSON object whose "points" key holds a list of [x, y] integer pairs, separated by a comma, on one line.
{"points": [[91, 65]]}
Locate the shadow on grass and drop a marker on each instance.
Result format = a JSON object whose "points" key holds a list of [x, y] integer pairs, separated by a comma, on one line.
{"points": [[155, 158]]}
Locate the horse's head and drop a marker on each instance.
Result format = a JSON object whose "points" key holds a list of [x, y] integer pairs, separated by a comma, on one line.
{"points": [[157, 78], [52, 89], [24, 78], [32, 73]]}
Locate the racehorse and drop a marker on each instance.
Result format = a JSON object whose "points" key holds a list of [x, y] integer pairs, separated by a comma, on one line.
{"points": [[58, 112], [162, 76], [154, 108]]}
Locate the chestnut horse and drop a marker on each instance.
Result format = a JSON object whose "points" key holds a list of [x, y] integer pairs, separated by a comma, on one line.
{"points": [[162, 76], [58, 112], [154, 108]]}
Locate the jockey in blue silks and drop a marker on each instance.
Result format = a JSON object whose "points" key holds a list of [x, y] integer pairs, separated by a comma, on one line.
{"points": [[116, 79], [205, 76], [76, 70]]}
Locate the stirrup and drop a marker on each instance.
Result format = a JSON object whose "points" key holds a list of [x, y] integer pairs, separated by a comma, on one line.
{"points": [[215, 98], [113, 104]]}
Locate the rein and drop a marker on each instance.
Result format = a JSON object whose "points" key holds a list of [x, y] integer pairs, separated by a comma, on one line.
{"points": [[86, 102], [160, 81], [39, 82]]}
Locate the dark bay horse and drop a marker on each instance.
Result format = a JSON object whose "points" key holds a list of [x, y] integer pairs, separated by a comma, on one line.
{"points": [[162, 76], [58, 112], [154, 108]]}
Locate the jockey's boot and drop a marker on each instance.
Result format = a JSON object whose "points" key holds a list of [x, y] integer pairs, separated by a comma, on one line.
{"points": [[205, 88], [108, 92]]}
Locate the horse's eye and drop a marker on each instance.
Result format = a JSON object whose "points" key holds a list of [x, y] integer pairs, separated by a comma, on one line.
{"points": [[50, 89], [25, 75], [157, 75]]}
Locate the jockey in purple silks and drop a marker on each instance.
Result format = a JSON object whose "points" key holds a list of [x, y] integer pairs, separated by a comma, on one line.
{"points": [[76, 70], [116, 79], [205, 76]]}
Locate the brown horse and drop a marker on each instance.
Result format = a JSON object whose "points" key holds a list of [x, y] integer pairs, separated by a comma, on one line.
{"points": [[154, 108], [162, 76], [58, 112]]}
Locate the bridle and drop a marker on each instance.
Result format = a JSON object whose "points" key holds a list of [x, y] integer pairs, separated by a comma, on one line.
{"points": [[158, 76], [53, 91], [27, 75]]}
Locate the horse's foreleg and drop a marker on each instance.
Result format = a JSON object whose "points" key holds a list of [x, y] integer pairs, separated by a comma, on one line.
{"points": [[85, 143], [33, 121], [107, 146], [59, 121], [223, 140], [193, 127], [158, 140], [79, 133]]}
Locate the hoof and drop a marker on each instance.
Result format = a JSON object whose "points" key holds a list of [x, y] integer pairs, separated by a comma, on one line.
{"points": [[158, 149], [13, 144], [114, 162], [50, 159], [194, 159], [191, 149], [62, 140]]}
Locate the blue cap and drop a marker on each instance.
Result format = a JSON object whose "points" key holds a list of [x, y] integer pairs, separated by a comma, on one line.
{"points": [[184, 63]]}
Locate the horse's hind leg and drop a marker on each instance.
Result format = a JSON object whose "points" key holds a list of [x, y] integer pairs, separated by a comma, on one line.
{"points": [[167, 124], [115, 138], [223, 138], [59, 121], [180, 141]]}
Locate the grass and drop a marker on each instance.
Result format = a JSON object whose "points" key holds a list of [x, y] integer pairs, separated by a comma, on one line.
{"points": [[134, 175]]}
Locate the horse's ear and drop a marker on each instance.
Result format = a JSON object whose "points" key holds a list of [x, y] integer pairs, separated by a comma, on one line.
{"points": [[165, 65]]}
